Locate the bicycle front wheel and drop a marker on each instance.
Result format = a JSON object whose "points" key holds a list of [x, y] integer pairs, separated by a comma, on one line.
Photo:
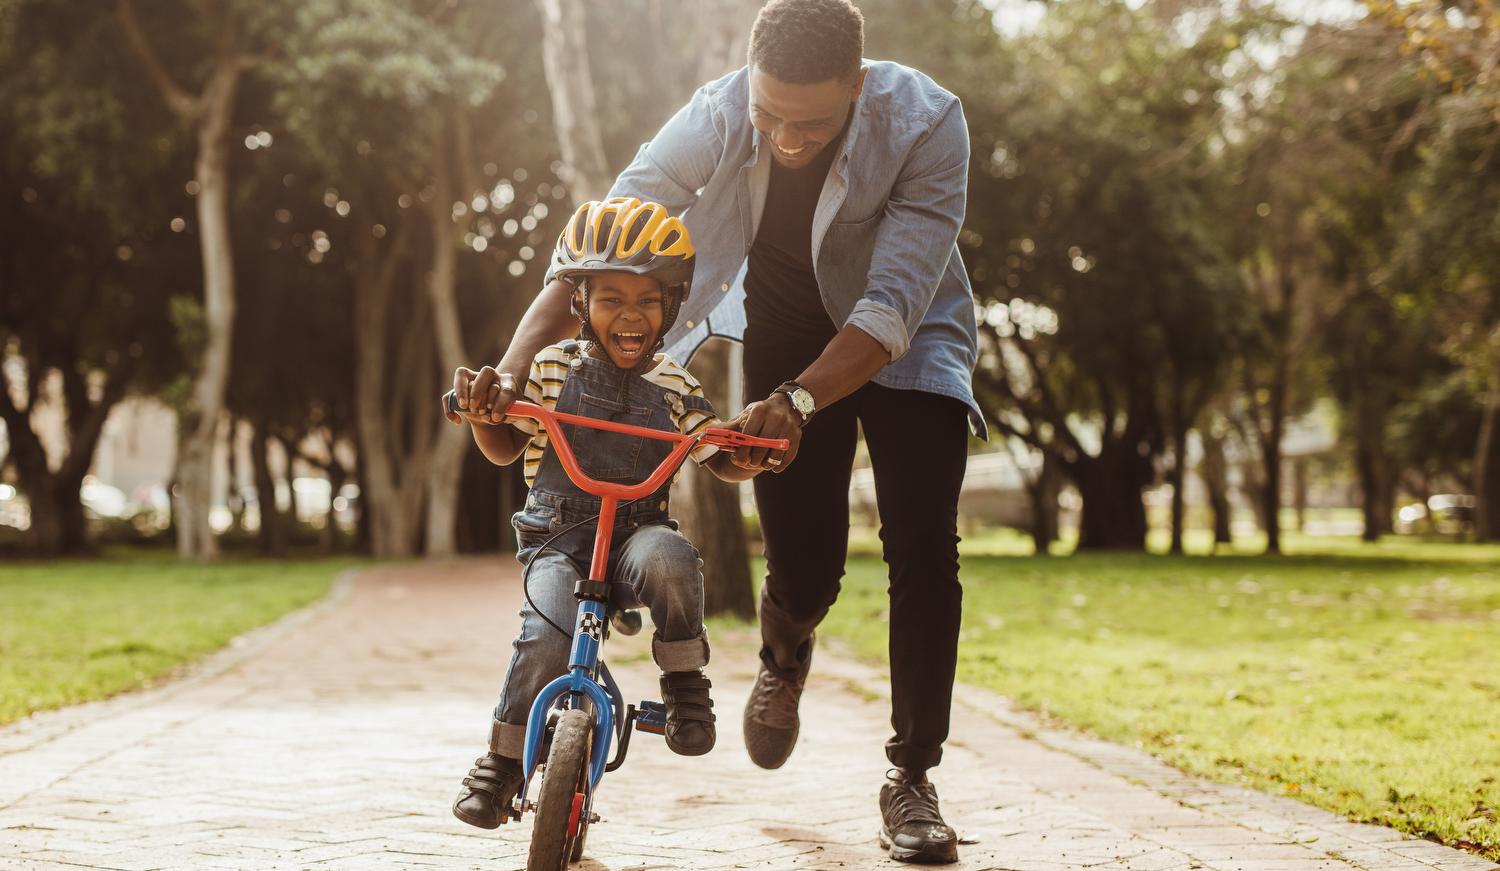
{"points": [[560, 807]]}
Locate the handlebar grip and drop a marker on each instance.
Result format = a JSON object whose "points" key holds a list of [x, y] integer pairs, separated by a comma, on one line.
{"points": [[452, 400]]}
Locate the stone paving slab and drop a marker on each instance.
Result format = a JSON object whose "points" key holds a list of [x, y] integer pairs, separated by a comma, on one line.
{"points": [[336, 739]]}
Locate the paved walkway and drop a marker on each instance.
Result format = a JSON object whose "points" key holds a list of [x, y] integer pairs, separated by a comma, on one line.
{"points": [[336, 739]]}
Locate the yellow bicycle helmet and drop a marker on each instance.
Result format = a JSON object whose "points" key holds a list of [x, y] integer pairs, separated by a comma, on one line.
{"points": [[625, 234]]}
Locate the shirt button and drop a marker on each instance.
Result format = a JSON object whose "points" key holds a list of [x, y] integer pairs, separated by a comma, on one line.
{"points": [[724, 287], [663, 505]]}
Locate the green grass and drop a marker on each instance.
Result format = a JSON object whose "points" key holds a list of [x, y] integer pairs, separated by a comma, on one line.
{"points": [[74, 631], [1364, 679]]}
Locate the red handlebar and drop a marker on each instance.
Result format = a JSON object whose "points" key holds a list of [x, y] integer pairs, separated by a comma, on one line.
{"points": [[724, 438]]}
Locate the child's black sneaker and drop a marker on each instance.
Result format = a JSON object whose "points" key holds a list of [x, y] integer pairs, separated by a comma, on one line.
{"points": [[488, 790], [690, 716]]}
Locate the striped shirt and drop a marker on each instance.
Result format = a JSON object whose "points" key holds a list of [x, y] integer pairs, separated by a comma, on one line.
{"points": [[545, 385]]}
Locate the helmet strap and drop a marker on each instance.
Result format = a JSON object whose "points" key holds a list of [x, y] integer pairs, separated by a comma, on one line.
{"points": [[586, 331], [669, 317]]}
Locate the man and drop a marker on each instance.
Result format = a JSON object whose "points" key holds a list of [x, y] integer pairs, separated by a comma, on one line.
{"points": [[838, 187]]}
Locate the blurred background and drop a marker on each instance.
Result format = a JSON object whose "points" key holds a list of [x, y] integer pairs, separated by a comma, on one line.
{"points": [[1237, 265]]}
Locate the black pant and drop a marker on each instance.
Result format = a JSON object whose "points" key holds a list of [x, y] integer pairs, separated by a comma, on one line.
{"points": [[918, 445]]}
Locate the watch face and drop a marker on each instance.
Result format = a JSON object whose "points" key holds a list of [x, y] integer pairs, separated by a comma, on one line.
{"points": [[802, 400]]}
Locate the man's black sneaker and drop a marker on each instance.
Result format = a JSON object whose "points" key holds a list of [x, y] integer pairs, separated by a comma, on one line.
{"points": [[690, 717], [771, 721], [912, 828], [488, 790]]}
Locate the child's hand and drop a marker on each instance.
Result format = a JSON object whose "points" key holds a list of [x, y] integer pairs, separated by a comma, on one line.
{"points": [[483, 396]]}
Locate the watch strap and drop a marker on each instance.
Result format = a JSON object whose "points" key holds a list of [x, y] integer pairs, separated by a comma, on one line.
{"points": [[791, 387]]}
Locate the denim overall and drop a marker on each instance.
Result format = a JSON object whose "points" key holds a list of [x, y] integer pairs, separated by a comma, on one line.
{"points": [[653, 565]]}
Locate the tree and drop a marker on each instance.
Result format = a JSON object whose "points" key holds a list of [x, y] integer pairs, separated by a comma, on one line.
{"points": [[1450, 255], [1291, 162], [88, 276], [1106, 302], [227, 51], [404, 115]]}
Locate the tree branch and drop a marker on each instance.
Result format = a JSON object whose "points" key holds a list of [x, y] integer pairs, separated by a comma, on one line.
{"points": [[178, 100], [1048, 409], [85, 435]]}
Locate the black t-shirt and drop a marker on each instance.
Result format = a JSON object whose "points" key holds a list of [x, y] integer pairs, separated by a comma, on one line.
{"points": [[781, 291]]}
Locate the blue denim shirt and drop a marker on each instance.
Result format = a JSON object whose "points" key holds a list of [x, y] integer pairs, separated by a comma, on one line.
{"points": [[884, 234]]}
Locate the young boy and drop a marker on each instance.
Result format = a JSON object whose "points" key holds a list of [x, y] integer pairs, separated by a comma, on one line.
{"points": [[631, 264]]}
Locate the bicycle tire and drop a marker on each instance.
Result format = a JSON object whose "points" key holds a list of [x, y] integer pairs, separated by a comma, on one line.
{"points": [[583, 834], [554, 834]]}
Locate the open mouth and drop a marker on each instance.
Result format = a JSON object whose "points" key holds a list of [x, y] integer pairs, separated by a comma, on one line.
{"points": [[628, 344]]}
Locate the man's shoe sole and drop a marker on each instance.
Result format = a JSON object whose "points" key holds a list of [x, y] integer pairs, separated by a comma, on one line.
{"points": [[771, 763], [932, 854]]}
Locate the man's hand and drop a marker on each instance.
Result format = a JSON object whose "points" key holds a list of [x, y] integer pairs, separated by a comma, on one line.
{"points": [[771, 418], [483, 396]]}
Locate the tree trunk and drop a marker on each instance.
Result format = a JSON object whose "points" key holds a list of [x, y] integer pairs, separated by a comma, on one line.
{"points": [[234, 498], [1270, 446], [393, 443], [210, 113], [1368, 467], [1486, 484], [58, 524], [574, 108], [1178, 477], [272, 528], [1113, 517], [47, 536], [712, 519], [1043, 492], [1270, 494], [1299, 492], [57, 517], [336, 478], [288, 444], [211, 171], [1214, 470], [447, 461], [70, 508], [364, 535]]}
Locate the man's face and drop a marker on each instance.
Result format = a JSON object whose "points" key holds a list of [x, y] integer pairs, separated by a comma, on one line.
{"points": [[626, 313], [800, 120]]}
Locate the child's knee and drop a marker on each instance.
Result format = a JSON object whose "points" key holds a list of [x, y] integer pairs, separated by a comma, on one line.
{"points": [[673, 565]]}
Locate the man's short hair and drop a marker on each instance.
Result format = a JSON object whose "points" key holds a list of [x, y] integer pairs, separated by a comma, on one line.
{"points": [[803, 42]]}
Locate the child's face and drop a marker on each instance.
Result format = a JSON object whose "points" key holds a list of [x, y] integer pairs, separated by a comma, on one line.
{"points": [[625, 311]]}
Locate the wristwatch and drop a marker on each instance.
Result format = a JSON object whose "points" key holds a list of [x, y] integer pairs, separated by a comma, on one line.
{"points": [[801, 399]]}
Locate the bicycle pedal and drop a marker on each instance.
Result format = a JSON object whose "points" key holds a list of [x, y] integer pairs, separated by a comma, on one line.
{"points": [[651, 717], [522, 806]]}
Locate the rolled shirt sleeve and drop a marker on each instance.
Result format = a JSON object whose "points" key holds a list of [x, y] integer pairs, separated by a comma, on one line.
{"points": [[917, 231]]}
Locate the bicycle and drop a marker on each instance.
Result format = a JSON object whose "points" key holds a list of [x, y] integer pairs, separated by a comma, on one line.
{"points": [[577, 716]]}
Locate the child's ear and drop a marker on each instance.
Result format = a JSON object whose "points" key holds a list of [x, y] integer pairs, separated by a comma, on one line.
{"points": [[576, 302]]}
